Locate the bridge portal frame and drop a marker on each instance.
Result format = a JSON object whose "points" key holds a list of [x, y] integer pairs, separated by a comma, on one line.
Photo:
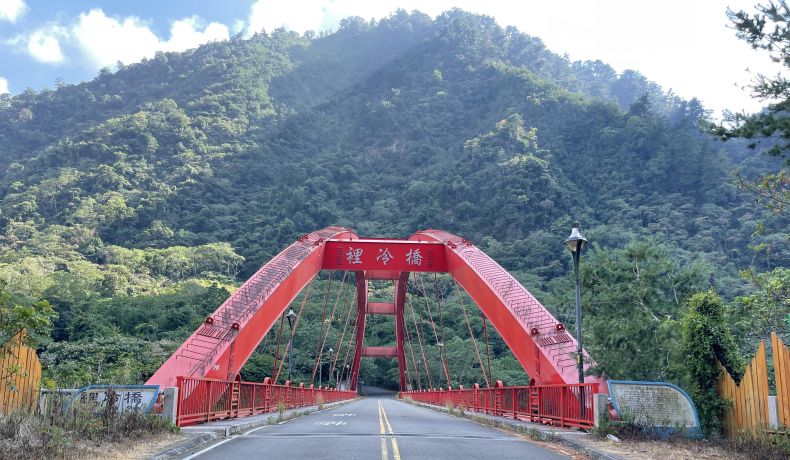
{"points": [[220, 347]]}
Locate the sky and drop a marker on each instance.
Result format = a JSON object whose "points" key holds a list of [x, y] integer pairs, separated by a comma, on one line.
{"points": [[683, 45]]}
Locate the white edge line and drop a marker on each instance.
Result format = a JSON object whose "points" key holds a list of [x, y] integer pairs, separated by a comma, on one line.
{"points": [[196, 454], [255, 429]]}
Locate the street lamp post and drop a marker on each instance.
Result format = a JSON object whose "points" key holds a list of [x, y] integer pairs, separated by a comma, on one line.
{"points": [[575, 242], [440, 345], [419, 381], [291, 315], [330, 351]]}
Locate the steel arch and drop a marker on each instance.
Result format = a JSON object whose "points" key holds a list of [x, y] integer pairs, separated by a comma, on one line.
{"points": [[540, 343], [223, 343], [221, 346]]}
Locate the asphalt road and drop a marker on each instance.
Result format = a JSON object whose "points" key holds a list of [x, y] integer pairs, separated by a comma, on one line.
{"points": [[377, 428]]}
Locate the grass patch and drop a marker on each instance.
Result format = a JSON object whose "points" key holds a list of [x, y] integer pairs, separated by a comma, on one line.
{"points": [[628, 429], [75, 433], [763, 446], [280, 411]]}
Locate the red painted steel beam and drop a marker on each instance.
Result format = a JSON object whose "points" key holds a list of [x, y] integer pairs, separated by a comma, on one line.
{"points": [[362, 301], [389, 275], [220, 347], [387, 257], [541, 345], [381, 308], [380, 352], [400, 302]]}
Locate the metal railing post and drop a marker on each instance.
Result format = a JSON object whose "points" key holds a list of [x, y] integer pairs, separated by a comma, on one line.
{"points": [[208, 400], [513, 402], [562, 407], [179, 405]]}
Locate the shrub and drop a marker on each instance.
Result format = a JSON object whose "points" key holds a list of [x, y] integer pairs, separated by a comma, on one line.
{"points": [[705, 339], [61, 434], [280, 410]]}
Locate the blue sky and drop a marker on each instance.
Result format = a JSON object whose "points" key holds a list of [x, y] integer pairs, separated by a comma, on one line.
{"points": [[684, 45]]}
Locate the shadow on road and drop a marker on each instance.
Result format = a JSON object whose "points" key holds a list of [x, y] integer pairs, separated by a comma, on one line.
{"points": [[376, 392]]}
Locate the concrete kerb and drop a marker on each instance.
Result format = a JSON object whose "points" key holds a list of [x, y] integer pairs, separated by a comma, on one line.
{"points": [[570, 438], [201, 436]]}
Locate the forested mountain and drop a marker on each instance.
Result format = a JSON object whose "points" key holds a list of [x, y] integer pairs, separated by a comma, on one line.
{"points": [[134, 202]]}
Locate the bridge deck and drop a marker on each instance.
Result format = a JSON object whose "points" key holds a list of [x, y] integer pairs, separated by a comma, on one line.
{"points": [[379, 428]]}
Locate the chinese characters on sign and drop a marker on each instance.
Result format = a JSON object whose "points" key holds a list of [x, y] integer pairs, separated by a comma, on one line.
{"points": [[413, 257], [387, 256], [384, 256], [127, 398], [354, 256]]}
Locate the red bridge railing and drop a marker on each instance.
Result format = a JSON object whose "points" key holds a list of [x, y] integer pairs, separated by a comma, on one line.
{"points": [[203, 400], [560, 405]]}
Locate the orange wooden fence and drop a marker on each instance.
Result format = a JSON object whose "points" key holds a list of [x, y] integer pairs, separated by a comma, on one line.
{"points": [[20, 375], [749, 411], [782, 378]]}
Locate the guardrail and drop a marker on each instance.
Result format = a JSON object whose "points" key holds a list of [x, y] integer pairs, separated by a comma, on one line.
{"points": [[560, 405], [203, 400]]}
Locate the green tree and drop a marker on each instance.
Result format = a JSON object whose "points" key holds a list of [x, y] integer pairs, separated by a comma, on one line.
{"points": [[766, 309], [706, 339], [768, 30], [16, 314], [33, 317], [632, 300]]}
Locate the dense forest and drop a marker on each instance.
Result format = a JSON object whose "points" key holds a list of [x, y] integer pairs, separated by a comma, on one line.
{"points": [[132, 205]]}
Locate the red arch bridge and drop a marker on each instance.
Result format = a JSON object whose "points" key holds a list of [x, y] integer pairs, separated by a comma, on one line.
{"points": [[206, 367]]}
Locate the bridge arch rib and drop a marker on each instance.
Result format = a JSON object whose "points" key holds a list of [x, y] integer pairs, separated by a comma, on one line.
{"points": [[543, 347], [220, 347]]}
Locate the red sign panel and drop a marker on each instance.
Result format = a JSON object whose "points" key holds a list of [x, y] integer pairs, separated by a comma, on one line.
{"points": [[389, 255]]}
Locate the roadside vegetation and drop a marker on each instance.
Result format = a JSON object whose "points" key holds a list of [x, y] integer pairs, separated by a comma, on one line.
{"points": [[131, 206], [70, 434]]}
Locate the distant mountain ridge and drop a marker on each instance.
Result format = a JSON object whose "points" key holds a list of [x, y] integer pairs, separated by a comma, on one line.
{"points": [[385, 126]]}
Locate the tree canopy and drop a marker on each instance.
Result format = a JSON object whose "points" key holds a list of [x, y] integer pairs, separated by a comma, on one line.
{"points": [[136, 202]]}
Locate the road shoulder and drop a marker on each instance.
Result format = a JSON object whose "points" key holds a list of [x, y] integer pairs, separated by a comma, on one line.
{"points": [[544, 435], [198, 437]]}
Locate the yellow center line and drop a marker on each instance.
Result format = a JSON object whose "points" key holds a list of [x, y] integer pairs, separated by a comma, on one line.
{"points": [[384, 453], [381, 420], [395, 450], [386, 419]]}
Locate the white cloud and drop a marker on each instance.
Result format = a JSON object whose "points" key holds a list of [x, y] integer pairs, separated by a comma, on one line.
{"points": [[3, 85], [185, 34], [106, 40], [44, 45], [11, 10], [238, 26], [298, 15], [303, 15]]}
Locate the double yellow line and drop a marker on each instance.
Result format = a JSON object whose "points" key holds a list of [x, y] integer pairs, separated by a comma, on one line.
{"points": [[382, 421]]}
